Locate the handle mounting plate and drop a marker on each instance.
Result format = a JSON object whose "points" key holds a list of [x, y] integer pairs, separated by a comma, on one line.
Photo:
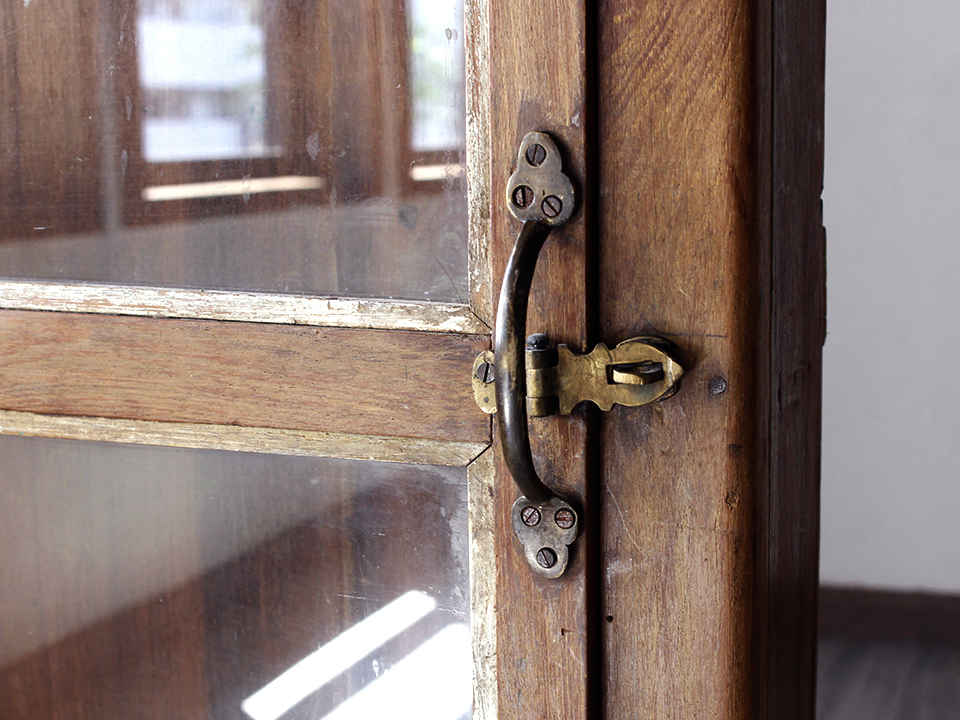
{"points": [[539, 190], [546, 529]]}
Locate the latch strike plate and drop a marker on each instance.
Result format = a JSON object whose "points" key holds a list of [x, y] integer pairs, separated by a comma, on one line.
{"points": [[635, 372]]}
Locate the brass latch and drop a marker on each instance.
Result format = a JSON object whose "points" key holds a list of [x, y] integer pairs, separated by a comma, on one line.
{"points": [[635, 372], [537, 379]]}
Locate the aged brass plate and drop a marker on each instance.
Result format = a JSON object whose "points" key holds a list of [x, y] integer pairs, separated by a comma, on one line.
{"points": [[636, 372]]}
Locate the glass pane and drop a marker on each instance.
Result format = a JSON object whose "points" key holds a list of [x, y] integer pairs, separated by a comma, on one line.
{"points": [[310, 148], [140, 582]]}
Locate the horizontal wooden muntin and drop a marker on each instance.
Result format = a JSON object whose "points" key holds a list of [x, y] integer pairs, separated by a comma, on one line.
{"points": [[275, 308], [237, 438], [325, 380]]}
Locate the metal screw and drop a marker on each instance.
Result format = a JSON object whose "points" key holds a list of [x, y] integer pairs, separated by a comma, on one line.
{"points": [[538, 341], [546, 558], [530, 516], [485, 373], [718, 385], [565, 518], [522, 196], [551, 206], [536, 155]]}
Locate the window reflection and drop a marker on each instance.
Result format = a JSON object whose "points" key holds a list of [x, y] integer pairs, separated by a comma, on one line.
{"points": [[202, 68], [433, 682], [436, 66]]}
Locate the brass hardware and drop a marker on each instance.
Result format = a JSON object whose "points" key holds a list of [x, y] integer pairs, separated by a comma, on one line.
{"points": [[483, 376], [539, 190], [636, 372], [546, 541], [542, 196], [539, 380]]}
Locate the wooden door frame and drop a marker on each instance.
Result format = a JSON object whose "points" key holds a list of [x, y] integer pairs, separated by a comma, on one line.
{"points": [[697, 142]]}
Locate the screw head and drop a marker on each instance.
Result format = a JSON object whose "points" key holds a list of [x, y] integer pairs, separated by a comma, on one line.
{"points": [[485, 373], [530, 516], [551, 206], [522, 196], [536, 154], [546, 558], [718, 385], [565, 518]]}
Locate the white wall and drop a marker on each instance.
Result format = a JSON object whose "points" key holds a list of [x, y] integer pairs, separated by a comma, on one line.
{"points": [[891, 435]]}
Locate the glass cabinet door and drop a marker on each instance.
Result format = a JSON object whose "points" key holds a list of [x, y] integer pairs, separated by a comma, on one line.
{"points": [[252, 502]]}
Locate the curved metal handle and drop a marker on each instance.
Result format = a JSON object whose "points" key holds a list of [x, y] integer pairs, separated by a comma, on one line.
{"points": [[540, 194], [509, 360]]}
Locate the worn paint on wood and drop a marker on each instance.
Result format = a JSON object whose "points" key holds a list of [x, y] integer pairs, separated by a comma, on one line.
{"points": [[240, 438], [374, 314]]}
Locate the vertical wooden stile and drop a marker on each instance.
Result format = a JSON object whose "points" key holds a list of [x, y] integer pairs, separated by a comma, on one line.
{"points": [[538, 63]]}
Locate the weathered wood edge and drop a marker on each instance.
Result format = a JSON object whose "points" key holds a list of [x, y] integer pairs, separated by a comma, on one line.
{"points": [[477, 43], [241, 439], [483, 586], [363, 313], [789, 513]]}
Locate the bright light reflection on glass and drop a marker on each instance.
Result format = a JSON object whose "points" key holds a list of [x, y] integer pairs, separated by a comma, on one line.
{"points": [[202, 74], [434, 682], [436, 70], [319, 668]]}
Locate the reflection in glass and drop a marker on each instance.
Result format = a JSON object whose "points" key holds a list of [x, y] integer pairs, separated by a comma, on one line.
{"points": [[434, 682], [308, 148], [436, 68], [166, 583], [202, 70]]}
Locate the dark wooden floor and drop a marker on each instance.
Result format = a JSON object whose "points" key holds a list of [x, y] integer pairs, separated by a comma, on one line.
{"points": [[887, 680]]}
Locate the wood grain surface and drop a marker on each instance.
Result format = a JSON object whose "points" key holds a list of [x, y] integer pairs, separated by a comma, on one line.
{"points": [[538, 63], [369, 313], [709, 514], [679, 180], [273, 376], [206, 436]]}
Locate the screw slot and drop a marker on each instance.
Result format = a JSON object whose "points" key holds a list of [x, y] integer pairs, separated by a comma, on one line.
{"points": [[551, 206], [530, 516], [523, 196], [536, 154], [564, 518], [485, 373], [546, 558]]}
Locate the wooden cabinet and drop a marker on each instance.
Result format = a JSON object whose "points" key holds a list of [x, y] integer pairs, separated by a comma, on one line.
{"points": [[289, 326]]}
